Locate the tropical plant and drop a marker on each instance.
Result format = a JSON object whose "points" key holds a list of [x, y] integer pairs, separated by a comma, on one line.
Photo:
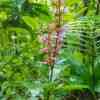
{"points": [[75, 74]]}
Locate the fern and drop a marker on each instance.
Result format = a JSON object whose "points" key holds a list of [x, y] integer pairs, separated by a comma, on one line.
{"points": [[84, 37]]}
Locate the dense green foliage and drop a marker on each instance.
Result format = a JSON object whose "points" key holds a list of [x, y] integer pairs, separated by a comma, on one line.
{"points": [[22, 75]]}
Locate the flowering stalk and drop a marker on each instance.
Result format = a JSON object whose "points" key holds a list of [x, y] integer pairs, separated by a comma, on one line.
{"points": [[53, 42], [52, 54]]}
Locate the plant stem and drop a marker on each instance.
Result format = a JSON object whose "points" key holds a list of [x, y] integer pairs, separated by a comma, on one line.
{"points": [[93, 73], [59, 21], [50, 79], [93, 77], [51, 72]]}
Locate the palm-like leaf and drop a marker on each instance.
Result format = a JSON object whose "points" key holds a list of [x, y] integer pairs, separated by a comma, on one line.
{"points": [[84, 37]]}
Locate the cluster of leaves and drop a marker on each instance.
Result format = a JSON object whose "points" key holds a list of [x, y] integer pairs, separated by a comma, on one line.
{"points": [[22, 76], [77, 67], [85, 46], [19, 65]]}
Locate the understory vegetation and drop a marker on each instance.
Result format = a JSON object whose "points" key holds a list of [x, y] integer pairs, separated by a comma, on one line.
{"points": [[25, 71]]}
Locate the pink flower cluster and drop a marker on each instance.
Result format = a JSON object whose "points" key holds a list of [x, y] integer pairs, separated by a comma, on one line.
{"points": [[52, 43]]}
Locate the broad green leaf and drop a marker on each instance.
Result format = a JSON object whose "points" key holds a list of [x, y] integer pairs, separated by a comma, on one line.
{"points": [[31, 22]]}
